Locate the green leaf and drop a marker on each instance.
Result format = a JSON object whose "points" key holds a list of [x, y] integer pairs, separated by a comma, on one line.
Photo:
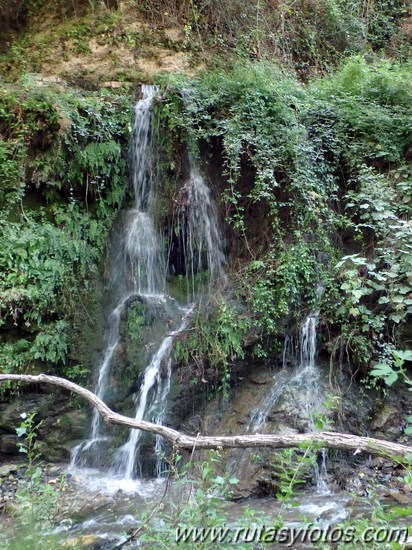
{"points": [[319, 424], [405, 355], [21, 431], [396, 318], [381, 369], [391, 378], [219, 480], [402, 512]]}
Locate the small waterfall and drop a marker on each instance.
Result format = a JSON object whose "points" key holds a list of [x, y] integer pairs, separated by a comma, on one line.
{"points": [[204, 240], [303, 383], [260, 414], [308, 355], [199, 227], [142, 246], [150, 407], [308, 341], [79, 454], [139, 268], [142, 251]]}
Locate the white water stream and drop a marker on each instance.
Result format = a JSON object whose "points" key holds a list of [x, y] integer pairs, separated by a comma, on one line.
{"points": [[305, 381], [154, 409], [140, 271]]}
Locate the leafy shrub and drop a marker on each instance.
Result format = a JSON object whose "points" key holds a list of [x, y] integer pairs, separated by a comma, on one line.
{"points": [[64, 177], [324, 170]]}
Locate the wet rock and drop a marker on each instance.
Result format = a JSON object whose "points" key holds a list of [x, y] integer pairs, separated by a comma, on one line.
{"points": [[388, 416], [260, 379], [53, 481], [10, 412], [399, 497], [87, 541], [51, 452], [7, 469], [377, 462], [54, 470], [13, 476], [60, 423], [8, 444]]}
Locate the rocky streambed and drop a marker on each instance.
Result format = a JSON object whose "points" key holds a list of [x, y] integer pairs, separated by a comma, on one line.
{"points": [[14, 476], [97, 512]]}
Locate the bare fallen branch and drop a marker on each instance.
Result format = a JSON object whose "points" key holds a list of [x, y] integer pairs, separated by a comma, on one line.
{"points": [[331, 440]]}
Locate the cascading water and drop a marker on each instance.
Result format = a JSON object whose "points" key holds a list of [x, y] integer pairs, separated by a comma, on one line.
{"points": [[308, 354], [149, 407], [81, 453], [203, 251], [139, 268], [140, 271], [203, 243], [308, 341], [200, 249], [142, 242], [303, 385]]}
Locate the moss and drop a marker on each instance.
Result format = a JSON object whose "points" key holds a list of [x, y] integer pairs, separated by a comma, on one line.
{"points": [[62, 158]]}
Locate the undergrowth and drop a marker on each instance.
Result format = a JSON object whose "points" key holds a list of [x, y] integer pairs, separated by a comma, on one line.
{"points": [[63, 174], [315, 189]]}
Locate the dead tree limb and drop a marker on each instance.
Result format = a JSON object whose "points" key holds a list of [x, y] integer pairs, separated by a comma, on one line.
{"points": [[331, 440]]}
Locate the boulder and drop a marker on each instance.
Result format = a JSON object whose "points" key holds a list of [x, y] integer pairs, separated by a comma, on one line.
{"points": [[9, 444], [8, 469]]}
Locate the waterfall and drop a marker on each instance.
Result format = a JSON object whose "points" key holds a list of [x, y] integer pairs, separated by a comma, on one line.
{"points": [[79, 453], [203, 250], [202, 236], [142, 243], [301, 385], [308, 341], [139, 270], [305, 374], [153, 409], [307, 361], [203, 244]]}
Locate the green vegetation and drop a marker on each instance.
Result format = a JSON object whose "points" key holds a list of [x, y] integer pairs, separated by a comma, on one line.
{"points": [[301, 120], [213, 340], [309, 36], [38, 503], [317, 188], [63, 177]]}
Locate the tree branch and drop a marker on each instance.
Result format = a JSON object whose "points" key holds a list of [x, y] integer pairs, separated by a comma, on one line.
{"points": [[331, 440]]}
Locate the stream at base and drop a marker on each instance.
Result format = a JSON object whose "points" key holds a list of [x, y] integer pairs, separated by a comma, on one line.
{"points": [[109, 518], [113, 516]]}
